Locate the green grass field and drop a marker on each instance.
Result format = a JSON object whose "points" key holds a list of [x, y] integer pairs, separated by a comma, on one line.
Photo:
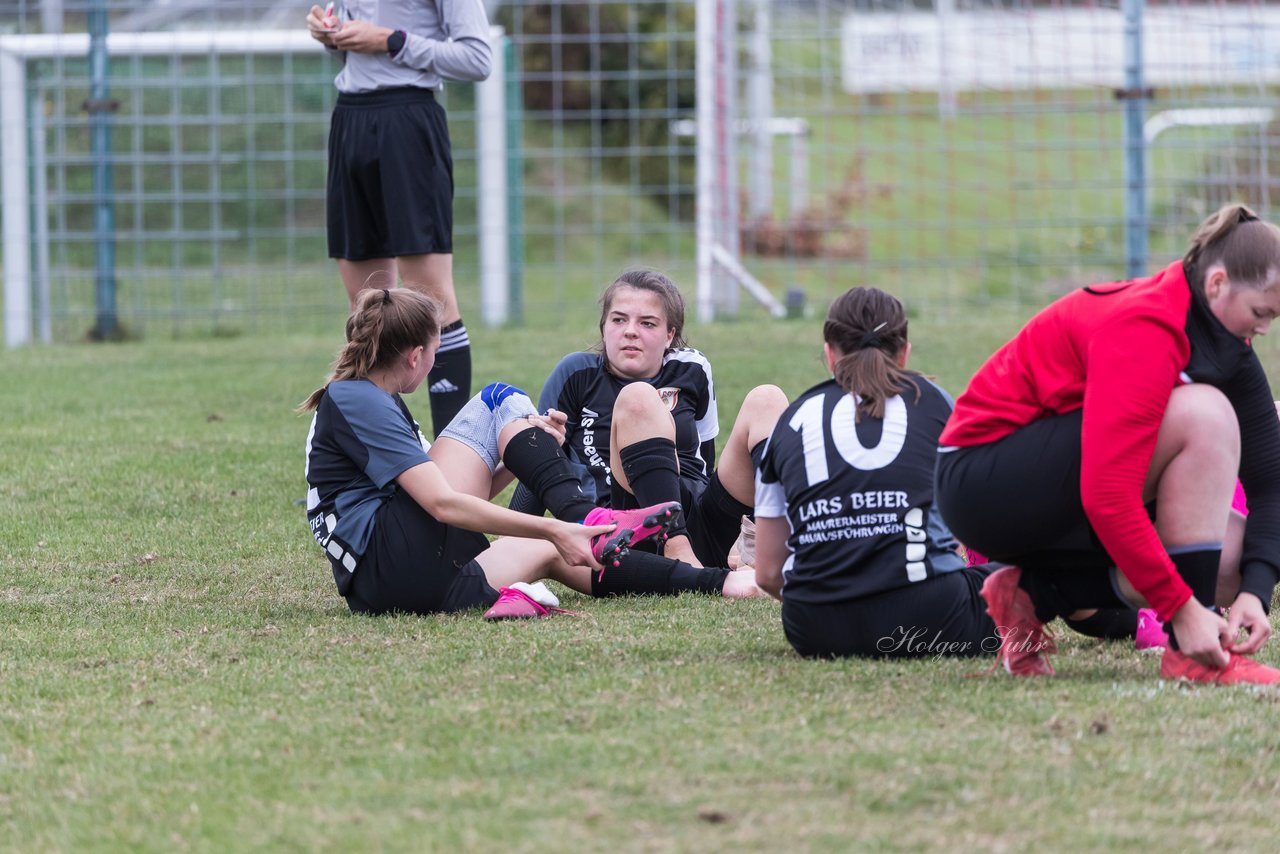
{"points": [[178, 673]]}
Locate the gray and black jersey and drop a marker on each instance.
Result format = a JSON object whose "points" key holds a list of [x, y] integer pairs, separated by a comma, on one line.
{"points": [[858, 493], [361, 439]]}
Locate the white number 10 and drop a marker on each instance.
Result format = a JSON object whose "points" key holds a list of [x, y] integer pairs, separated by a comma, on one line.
{"points": [[811, 426]]}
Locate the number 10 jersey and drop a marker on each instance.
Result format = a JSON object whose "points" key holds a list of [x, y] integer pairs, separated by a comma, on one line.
{"points": [[858, 494]]}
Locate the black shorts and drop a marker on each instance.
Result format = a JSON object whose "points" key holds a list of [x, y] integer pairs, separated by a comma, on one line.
{"points": [[390, 184], [1017, 500], [714, 519], [944, 615], [416, 564]]}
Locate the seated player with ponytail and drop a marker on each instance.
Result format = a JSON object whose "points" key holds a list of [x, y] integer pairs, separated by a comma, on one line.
{"points": [[643, 420], [846, 532], [401, 522], [1097, 453]]}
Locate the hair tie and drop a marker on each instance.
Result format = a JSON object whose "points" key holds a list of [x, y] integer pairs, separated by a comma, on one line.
{"points": [[1243, 216], [871, 339], [386, 297]]}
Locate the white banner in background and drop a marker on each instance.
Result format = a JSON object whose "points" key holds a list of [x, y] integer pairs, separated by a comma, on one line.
{"points": [[1057, 48]]}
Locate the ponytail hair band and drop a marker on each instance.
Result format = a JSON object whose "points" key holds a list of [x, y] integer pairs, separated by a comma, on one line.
{"points": [[386, 296], [871, 339]]}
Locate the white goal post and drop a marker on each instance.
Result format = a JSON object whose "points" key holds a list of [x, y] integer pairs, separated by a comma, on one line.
{"points": [[18, 198], [720, 270]]}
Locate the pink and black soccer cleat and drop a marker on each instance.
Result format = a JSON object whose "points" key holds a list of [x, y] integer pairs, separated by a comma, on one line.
{"points": [[634, 526]]}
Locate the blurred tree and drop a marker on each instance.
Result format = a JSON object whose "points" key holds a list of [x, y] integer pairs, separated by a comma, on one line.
{"points": [[622, 70]]}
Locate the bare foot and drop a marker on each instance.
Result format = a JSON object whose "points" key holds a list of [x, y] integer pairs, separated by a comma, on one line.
{"points": [[741, 584], [679, 548]]}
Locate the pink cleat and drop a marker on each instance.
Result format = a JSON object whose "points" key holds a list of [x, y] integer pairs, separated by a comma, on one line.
{"points": [[1025, 643], [1240, 670], [634, 526], [518, 603], [1150, 634]]}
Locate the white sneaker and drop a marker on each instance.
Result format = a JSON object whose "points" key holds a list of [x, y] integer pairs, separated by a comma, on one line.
{"points": [[746, 545]]}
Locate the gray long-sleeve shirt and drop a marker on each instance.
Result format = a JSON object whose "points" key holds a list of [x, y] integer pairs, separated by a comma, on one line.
{"points": [[446, 40]]}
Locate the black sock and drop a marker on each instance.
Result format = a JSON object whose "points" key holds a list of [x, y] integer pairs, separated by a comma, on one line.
{"points": [[644, 573], [1058, 592], [653, 472], [533, 456], [1198, 566], [1109, 623], [449, 382]]}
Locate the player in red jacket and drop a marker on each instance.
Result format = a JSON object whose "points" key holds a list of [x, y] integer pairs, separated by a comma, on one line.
{"points": [[1108, 435]]}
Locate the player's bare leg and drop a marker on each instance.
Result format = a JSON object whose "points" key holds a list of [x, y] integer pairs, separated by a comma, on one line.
{"points": [[432, 275], [449, 383], [755, 421], [371, 273]]}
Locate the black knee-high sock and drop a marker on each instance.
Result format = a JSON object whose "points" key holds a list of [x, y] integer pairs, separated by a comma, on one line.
{"points": [[449, 382], [644, 573], [653, 472], [1109, 623], [533, 456], [1198, 566]]}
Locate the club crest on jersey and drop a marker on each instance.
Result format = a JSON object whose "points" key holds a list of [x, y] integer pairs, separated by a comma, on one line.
{"points": [[669, 397]]}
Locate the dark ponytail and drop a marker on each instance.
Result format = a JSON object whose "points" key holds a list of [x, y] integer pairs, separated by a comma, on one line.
{"points": [[866, 329], [1246, 246], [385, 324]]}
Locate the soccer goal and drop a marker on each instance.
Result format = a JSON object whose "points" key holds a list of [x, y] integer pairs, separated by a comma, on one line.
{"points": [[217, 159]]}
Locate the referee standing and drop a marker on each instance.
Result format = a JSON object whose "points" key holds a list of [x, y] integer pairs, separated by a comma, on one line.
{"points": [[389, 198]]}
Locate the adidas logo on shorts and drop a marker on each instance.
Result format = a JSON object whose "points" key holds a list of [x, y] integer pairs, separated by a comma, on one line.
{"points": [[442, 387]]}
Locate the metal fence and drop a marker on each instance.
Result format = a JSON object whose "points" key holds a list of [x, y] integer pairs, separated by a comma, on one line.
{"points": [[960, 154]]}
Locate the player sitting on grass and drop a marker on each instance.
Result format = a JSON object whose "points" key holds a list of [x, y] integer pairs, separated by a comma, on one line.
{"points": [[642, 420], [401, 525], [846, 534], [1098, 450]]}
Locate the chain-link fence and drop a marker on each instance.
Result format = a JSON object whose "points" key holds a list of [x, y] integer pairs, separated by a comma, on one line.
{"points": [[957, 153]]}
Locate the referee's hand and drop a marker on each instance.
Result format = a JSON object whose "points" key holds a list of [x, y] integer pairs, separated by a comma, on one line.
{"points": [[321, 27], [361, 37]]}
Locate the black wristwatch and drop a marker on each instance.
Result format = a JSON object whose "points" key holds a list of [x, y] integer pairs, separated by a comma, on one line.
{"points": [[395, 42]]}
